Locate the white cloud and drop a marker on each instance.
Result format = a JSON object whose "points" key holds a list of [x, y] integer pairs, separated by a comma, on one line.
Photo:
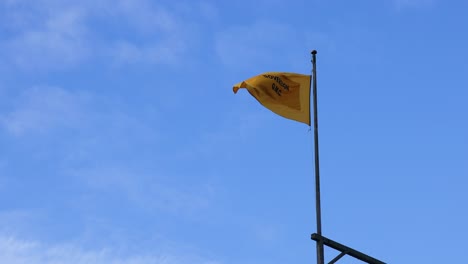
{"points": [[168, 51], [18, 251], [144, 16], [52, 34], [40, 109], [55, 41], [165, 36], [148, 192]]}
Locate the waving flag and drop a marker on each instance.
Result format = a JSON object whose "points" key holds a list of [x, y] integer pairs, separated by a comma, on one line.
{"points": [[286, 94]]}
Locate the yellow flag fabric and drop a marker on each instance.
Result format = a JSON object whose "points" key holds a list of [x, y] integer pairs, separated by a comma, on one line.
{"points": [[286, 94]]}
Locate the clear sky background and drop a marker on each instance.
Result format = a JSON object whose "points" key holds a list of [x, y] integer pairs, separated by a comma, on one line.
{"points": [[121, 140]]}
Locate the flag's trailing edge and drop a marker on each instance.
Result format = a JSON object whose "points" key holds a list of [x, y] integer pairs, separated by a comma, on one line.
{"points": [[286, 94]]}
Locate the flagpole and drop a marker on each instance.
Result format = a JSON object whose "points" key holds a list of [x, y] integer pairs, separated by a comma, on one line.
{"points": [[321, 240], [320, 251]]}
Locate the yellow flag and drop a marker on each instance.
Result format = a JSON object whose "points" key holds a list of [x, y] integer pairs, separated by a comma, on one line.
{"points": [[286, 94]]}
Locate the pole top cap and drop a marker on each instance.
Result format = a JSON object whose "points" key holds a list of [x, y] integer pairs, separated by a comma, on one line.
{"points": [[313, 52]]}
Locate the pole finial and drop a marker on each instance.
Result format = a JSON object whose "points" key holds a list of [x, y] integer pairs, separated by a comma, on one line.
{"points": [[313, 52]]}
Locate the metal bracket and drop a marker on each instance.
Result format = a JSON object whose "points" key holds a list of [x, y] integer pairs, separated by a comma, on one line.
{"points": [[345, 250], [337, 258]]}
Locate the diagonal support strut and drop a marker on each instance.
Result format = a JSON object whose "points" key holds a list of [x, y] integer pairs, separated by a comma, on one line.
{"points": [[345, 250], [342, 254]]}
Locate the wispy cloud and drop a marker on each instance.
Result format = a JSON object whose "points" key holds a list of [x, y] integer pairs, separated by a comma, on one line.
{"points": [[168, 51], [51, 34], [40, 109], [55, 40], [147, 192], [146, 17], [18, 251], [161, 35]]}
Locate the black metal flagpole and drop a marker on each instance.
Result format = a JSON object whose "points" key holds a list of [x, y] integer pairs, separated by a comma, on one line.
{"points": [[320, 251], [318, 237]]}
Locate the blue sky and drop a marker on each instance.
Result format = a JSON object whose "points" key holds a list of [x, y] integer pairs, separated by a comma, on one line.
{"points": [[122, 141]]}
